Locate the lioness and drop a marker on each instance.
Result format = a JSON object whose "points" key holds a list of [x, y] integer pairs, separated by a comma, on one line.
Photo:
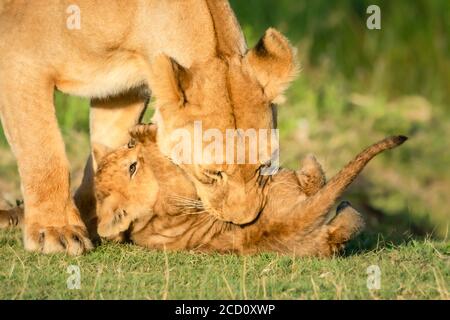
{"points": [[192, 56], [144, 196]]}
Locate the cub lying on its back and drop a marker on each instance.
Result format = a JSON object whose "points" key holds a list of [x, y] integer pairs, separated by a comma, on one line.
{"points": [[142, 196]]}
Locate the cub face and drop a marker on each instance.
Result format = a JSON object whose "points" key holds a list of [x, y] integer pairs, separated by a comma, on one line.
{"points": [[125, 188]]}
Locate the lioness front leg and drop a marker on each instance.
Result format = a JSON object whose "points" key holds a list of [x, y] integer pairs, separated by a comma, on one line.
{"points": [[110, 120], [52, 222]]}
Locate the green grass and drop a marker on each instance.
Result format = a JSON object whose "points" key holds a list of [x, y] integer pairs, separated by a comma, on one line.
{"points": [[413, 270], [356, 86]]}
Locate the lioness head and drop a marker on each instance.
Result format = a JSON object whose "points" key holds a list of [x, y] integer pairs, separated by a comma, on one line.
{"points": [[204, 113]]}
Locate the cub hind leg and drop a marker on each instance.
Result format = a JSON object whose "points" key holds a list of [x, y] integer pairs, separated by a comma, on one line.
{"points": [[347, 224], [330, 238]]}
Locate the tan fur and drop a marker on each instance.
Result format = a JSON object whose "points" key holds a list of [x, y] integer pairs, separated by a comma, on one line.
{"points": [[172, 216], [157, 206], [111, 60], [311, 177], [234, 92]]}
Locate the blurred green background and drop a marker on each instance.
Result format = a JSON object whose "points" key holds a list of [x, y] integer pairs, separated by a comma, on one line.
{"points": [[356, 86]]}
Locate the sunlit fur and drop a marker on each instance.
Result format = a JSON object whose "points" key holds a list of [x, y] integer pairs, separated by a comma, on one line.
{"points": [[230, 92], [121, 47], [170, 215]]}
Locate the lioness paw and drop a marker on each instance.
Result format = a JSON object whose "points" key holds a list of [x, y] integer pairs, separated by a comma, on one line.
{"points": [[72, 240]]}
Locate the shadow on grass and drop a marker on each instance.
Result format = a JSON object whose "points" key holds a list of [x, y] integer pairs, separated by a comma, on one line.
{"points": [[387, 231]]}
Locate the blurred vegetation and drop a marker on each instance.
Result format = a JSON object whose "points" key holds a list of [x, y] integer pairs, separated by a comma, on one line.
{"points": [[359, 85], [409, 55], [356, 86]]}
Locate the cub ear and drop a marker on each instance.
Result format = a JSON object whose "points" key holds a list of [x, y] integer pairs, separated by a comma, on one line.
{"points": [[167, 80], [99, 151], [272, 61], [144, 133]]}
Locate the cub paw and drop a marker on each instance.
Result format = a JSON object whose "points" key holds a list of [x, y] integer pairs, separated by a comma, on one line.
{"points": [[347, 224], [311, 176], [113, 225], [11, 218], [70, 239]]}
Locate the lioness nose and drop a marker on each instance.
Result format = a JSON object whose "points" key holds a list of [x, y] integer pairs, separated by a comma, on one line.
{"points": [[243, 216]]}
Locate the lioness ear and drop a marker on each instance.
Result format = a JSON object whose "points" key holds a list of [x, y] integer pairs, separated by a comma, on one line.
{"points": [[144, 133], [167, 80], [99, 151], [272, 61]]}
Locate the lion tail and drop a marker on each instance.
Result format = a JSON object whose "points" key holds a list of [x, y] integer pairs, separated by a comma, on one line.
{"points": [[315, 208]]}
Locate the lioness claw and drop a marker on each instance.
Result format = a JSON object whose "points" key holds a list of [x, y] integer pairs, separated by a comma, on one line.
{"points": [[72, 240]]}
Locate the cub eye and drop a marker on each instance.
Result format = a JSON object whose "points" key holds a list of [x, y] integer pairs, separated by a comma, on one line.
{"points": [[132, 169]]}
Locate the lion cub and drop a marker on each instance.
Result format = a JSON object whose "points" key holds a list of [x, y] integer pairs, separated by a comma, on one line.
{"points": [[144, 197]]}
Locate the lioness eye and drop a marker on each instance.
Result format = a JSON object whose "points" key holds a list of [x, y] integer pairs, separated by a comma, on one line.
{"points": [[132, 168], [131, 144], [216, 175]]}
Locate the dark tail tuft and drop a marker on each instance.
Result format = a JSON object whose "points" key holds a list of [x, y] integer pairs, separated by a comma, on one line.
{"points": [[400, 139], [342, 206]]}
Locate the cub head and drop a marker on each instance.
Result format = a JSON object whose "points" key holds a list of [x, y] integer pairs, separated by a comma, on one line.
{"points": [[125, 185], [210, 118]]}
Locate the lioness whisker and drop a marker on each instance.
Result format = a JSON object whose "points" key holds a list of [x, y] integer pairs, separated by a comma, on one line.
{"points": [[193, 213], [287, 184], [187, 206], [186, 202], [184, 198]]}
